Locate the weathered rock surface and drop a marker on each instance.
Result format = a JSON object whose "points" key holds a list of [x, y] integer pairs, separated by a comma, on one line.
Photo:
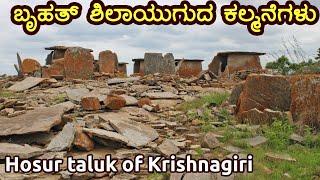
{"points": [[27, 83], [55, 69], [156, 63], [254, 116], [78, 63], [108, 62], [108, 135], [138, 134], [144, 101], [76, 94], [82, 141], [90, 103], [64, 140], [167, 148], [256, 141], [209, 140], [130, 100], [235, 94], [29, 66], [114, 102], [265, 92], [38, 120], [24, 152], [305, 94]]}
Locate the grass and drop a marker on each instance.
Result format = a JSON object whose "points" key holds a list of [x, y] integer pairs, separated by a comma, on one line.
{"points": [[307, 155], [7, 94], [60, 98], [158, 176], [212, 99]]}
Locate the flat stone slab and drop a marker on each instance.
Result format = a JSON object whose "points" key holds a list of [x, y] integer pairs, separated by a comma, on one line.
{"points": [[24, 152], [167, 148], [108, 135], [138, 134], [122, 80], [63, 140], [233, 149], [162, 95], [38, 120], [256, 141], [130, 100], [296, 138], [27, 83], [76, 94], [279, 157]]}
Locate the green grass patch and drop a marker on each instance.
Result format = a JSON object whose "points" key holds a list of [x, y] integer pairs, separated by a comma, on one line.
{"points": [[159, 176], [60, 98], [214, 99], [7, 94]]}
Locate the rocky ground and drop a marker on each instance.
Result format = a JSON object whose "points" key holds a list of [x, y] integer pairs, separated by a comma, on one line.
{"points": [[162, 115]]}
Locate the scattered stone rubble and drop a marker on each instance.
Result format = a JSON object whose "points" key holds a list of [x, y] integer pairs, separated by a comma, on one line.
{"points": [[68, 111]]}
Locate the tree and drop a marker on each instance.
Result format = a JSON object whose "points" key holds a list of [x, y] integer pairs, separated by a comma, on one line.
{"points": [[282, 65]]}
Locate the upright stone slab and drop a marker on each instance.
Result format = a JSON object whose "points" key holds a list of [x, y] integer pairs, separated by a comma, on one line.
{"points": [[30, 66], [156, 63], [305, 94], [78, 63], [108, 62]]}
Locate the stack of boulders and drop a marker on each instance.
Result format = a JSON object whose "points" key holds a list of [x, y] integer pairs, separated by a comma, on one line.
{"points": [[262, 98]]}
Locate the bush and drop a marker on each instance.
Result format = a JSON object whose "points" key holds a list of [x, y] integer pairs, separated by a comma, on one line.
{"points": [[284, 66]]}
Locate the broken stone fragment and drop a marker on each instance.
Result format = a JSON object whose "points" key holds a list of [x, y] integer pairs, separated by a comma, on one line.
{"points": [[144, 101], [235, 94], [210, 140], [24, 152], [256, 141], [26, 84], [108, 62], [254, 116], [55, 70], [38, 120], [90, 103], [296, 138], [76, 95], [137, 134], [64, 139], [82, 141], [29, 66], [78, 63], [107, 135], [130, 101], [167, 148], [114, 102]]}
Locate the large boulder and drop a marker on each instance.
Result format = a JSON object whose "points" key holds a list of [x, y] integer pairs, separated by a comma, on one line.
{"points": [[79, 63], [108, 62], [305, 98], [265, 92]]}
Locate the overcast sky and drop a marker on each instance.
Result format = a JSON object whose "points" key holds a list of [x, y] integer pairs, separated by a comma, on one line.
{"points": [[133, 41]]}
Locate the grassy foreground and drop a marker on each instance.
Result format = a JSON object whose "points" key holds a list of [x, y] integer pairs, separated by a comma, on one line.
{"points": [[306, 153]]}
